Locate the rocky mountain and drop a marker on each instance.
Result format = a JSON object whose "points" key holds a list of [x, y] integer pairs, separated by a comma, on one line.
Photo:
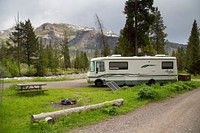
{"points": [[4, 34], [170, 47], [80, 38]]}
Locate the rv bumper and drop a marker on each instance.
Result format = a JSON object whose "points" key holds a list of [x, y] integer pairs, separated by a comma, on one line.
{"points": [[90, 81]]}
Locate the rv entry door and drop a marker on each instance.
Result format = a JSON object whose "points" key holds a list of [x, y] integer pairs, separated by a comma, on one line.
{"points": [[100, 68]]}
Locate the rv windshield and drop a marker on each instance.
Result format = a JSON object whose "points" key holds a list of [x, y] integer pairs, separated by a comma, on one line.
{"points": [[92, 66]]}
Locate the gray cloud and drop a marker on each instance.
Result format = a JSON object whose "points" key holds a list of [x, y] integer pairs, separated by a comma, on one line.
{"points": [[178, 15]]}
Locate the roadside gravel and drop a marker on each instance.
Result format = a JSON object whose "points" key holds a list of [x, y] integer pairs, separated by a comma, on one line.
{"points": [[175, 115]]}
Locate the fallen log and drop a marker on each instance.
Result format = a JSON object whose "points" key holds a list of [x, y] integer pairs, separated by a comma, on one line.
{"points": [[37, 117], [49, 120]]}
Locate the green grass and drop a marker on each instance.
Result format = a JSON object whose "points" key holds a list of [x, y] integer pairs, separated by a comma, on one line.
{"points": [[16, 110], [195, 77]]}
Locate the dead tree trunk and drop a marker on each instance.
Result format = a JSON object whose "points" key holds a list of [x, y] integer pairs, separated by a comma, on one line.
{"points": [[42, 116]]}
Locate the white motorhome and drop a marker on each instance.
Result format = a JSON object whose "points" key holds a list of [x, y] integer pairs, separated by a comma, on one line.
{"points": [[132, 70]]}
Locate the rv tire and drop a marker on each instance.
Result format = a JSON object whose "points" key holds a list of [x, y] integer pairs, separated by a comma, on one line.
{"points": [[98, 83], [151, 82]]}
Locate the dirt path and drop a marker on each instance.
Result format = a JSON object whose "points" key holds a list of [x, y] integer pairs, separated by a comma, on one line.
{"points": [[176, 115]]}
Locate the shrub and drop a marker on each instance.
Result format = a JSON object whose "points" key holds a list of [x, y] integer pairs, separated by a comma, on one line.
{"points": [[125, 88], [178, 87], [169, 87], [10, 69], [111, 110], [30, 72], [7, 73], [191, 84], [146, 92], [41, 126], [185, 86], [156, 86]]}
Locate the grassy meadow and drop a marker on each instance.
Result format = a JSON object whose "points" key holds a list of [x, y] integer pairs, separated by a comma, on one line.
{"points": [[16, 109]]}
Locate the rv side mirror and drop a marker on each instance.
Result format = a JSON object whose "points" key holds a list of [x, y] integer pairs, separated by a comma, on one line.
{"points": [[96, 70]]}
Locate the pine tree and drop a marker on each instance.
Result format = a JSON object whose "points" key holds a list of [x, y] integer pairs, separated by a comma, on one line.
{"points": [[9, 66], [124, 47], [193, 48], [65, 51], [2, 51], [29, 44], [157, 34], [77, 60], [139, 18], [42, 62], [173, 53], [25, 43], [17, 37], [96, 53], [52, 57], [180, 56], [81, 60], [116, 49], [149, 50], [85, 61]]}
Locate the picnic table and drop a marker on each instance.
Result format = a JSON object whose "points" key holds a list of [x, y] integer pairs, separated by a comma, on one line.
{"points": [[30, 87]]}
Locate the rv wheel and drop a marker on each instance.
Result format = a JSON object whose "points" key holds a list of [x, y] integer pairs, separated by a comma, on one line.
{"points": [[98, 83], [151, 82]]}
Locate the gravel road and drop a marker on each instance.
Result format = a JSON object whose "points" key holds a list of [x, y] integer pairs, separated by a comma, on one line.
{"points": [[81, 83], [175, 115]]}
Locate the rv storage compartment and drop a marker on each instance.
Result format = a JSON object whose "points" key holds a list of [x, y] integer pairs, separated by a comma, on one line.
{"points": [[184, 77]]}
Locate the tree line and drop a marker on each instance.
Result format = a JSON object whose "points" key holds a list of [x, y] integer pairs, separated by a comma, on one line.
{"points": [[25, 54]]}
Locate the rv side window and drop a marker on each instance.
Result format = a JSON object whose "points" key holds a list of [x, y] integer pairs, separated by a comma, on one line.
{"points": [[100, 66], [167, 65], [118, 65]]}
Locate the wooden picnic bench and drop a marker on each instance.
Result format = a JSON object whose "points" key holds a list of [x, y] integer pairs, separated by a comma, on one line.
{"points": [[30, 87]]}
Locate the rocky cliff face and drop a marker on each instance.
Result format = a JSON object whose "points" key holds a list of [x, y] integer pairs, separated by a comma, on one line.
{"points": [[80, 38], [77, 35]]}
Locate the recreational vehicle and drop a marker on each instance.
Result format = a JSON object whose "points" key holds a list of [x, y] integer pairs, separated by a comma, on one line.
{"points": [[132, 70]]}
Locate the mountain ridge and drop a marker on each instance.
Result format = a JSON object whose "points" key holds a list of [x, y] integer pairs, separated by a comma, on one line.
{"points": [[81, 38]]}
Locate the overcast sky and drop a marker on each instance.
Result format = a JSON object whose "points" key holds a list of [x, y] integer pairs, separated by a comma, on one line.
{"points": [[178, 15]]}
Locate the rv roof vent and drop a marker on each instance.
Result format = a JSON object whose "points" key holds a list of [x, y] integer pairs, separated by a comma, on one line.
{"points": [[160, 55], [116, 55]]}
